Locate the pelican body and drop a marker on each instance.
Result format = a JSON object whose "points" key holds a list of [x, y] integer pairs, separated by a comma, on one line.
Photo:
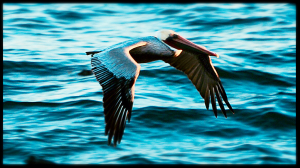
{"points": [[117, 69]]}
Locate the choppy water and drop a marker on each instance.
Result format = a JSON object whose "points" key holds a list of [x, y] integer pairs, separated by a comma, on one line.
{"points": [[52, 112]]}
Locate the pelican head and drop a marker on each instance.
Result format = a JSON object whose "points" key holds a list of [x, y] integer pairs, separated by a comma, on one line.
{"points": [[164, 34], [174, 40]]}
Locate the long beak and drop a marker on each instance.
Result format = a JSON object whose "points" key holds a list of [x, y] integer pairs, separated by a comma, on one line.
{"points": [[182, 43]]}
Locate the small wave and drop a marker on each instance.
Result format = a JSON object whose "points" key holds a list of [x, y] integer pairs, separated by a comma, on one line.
{"points": [[22, 11], [35, 26], [73, 103], [68, 15], [205, 9], [170, 11], [161, 115], [66, 40], [42, 20], [263, 155], [274, 31], [249, 20], [105, 11], [265, 118], [14, 104], [266, 39], [83, 103], [228, 22], [274, 121], [134, 159], [33, 68], [47, 88], [229, 133], [78, 28], [260, 77]]}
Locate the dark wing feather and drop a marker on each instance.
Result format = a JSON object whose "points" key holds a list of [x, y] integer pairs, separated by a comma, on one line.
{"points": [[199, 69], [116, 72], [117, 100]]}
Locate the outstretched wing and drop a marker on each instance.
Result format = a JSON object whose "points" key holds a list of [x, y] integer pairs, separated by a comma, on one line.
{"points": [[199, 69], [116, 72]]}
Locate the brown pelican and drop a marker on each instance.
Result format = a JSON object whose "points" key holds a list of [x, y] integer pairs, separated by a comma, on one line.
{"points": [[117, 68]]}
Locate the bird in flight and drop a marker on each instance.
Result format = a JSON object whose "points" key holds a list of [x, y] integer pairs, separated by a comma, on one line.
{"points": [[117, 68]]}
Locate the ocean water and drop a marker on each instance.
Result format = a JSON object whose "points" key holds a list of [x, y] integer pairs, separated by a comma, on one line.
{"points": [[53, 112]]}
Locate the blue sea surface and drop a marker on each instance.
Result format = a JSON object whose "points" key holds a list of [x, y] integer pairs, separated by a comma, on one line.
{"points": [[53, 112]]}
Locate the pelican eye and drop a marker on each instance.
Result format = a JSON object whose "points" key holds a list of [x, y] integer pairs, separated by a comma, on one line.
{"points": [[175, 36], [172, 36]]}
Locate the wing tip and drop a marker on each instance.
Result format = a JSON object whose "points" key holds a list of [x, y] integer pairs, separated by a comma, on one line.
{"points": [[92, 52]]}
